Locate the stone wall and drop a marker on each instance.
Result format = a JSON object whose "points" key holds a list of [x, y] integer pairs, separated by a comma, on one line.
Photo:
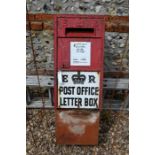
{"points": [[110, 7], [43, 45], [116, 44]]}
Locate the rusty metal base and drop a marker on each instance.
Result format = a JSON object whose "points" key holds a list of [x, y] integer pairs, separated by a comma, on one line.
{"points": [[77, 127]]}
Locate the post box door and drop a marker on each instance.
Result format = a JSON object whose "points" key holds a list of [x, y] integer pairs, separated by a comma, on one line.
{"points": [[80, 50], [80, 53], [79, 78]]}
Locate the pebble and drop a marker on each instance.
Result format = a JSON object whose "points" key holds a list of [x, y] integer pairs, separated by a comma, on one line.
{"points": [[77, 4], [122, 45], [119, 1], [107, 0], [125, 61], [45, 33], [38, 9], [120, 10], [119, 51], [113, 34], [46, 8], [113, 46], [83, 6], [109, 38], [28, 55], [118, 61], [27, 34], [33, 34], [57, 7], [114, 63], [72, 8], [52, 2], [64, 1], [98, 2], [98, 8], [91, 7], [87, 1]]}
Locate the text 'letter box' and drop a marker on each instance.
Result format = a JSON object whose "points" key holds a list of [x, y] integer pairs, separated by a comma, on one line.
{"points": [[78, 51]]}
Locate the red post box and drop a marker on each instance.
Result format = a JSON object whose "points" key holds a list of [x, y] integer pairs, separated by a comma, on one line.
{"points": [[78, 45]]}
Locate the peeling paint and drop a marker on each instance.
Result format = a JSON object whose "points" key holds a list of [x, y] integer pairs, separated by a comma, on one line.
{"points": [[77, 121], [78, 129]]}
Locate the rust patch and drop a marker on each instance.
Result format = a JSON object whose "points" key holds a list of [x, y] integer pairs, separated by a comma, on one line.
{"points": [[77, 127]]}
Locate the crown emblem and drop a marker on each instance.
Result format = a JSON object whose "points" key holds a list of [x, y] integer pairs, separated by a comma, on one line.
{"points": [[78, 78]]}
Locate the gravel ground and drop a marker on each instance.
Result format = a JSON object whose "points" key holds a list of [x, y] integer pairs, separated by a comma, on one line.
{"points": [[113, 136]]}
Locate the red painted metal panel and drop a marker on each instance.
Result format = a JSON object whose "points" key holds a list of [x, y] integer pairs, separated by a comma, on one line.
{"points": [[62, 44], [93, 29], [64, 54], [78, 126]]}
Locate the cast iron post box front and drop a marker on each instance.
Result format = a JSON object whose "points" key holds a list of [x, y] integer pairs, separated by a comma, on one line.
{"points": [[78, 52]]}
